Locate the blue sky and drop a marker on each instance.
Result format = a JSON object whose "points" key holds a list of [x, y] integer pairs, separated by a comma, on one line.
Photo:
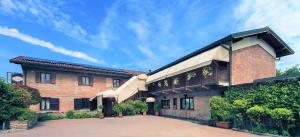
{"points": [[134, 34]]}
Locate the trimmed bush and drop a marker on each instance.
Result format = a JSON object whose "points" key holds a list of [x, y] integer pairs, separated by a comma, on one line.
{"points": [[26, 114], [80, 115], [46, 117], [131, 107], [70, 114], [220, 109]]}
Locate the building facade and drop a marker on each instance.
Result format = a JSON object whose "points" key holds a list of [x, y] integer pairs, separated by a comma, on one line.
{"points": [[183, 88], [68, 86]]}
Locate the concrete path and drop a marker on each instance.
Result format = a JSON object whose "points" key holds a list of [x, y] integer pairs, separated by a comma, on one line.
{"points": [[132, 126]]}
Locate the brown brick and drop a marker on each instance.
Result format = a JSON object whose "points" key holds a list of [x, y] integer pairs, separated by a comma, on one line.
{"points": [[252, 63], [66, 87]]}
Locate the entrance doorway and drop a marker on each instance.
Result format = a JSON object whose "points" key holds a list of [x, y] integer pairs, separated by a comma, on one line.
{"points": [[150, 108], [107, 106]]}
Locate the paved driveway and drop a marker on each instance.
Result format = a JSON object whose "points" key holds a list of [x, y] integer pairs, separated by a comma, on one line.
{"points": [[135, 126]]}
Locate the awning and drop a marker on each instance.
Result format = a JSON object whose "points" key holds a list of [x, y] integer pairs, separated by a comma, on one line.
{"points": [[108, 94], [203, 59], [150, 99]]}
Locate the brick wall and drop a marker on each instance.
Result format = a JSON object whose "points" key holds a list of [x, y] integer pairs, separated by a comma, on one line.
{"points": [[66, 87], [201, 105], [252, 63]]}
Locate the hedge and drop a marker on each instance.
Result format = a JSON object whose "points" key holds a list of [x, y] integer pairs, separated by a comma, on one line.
{"points": [[270, 107], [131, 107]]}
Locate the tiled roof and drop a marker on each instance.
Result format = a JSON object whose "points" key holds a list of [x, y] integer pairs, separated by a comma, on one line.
{"points": [[66, 65]]}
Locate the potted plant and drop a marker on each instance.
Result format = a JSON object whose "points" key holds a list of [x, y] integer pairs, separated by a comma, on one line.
{"points": [[156, 108], [221, 112], [100, 111], [144, 108], [117, 108]]}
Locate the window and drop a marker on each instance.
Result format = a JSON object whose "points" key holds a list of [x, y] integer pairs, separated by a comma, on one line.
{"points": [[187, 103], [49, 104], [165, 104], [85, 81], [174, 103], [116, 83], [81, 103], [42, 77]]}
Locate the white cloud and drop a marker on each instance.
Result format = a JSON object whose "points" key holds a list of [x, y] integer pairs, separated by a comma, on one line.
{"points": [[45, 14], [282, 16], [12, 32], [145, 50], [140, 28]]}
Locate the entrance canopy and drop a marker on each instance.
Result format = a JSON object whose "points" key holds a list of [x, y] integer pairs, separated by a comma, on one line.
{"points": [[150, 99], [203, 59], [108, 94]]}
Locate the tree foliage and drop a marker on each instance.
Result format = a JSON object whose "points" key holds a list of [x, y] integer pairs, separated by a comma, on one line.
{"points": [[13, 101], [292, 71]]}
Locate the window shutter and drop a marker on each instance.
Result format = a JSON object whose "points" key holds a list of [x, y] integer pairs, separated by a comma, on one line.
{"points": [[54, 103], [91, 81], [77, 104], [53, 78], [79, 80], [38, 77]]}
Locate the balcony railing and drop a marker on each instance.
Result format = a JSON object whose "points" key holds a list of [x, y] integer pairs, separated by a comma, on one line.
{"points": [[212, 75]]}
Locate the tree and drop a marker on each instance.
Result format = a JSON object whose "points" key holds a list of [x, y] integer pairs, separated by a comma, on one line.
{"points": [[292, 71], [13, 101]]}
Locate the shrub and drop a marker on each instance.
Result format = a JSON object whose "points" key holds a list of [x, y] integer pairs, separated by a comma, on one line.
{"points": [[70, 114], [46, 117], [281, 114], [272, 107], [117, 108], [12, 101], [220, 109], [256, 112], [156, 107], [130, 107], [26, 114], [80, 115], [100, 109]]}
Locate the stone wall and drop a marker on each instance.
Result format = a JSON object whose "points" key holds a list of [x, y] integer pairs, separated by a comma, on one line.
{"points": [[23, 125]]}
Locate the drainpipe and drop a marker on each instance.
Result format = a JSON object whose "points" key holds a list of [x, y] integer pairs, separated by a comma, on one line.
{"points": [[230, 64]]}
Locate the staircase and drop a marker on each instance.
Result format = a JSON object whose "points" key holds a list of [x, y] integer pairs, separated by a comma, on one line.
{"points": [[131, 87]]}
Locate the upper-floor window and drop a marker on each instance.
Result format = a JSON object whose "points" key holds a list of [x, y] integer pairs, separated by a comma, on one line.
{"points": [[45, 77], [85, 81], [116, 83]]}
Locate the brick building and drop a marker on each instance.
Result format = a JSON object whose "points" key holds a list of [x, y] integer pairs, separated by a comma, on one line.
{"points": [[183, 88]]}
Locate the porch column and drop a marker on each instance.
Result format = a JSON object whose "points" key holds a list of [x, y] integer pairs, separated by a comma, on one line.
{"points": [[99, 100]]}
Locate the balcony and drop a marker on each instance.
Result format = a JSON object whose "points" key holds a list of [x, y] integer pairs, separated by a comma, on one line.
{"points": [[213, 75]]}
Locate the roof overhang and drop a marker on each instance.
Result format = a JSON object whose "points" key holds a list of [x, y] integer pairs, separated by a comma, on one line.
{"points": [[280, 47], [218, 53]]}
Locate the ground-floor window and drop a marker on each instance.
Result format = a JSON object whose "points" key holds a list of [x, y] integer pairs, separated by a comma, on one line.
{"points": [[49, 104], [174, 103], [165, 104], [187, 103], [81, 103]]}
